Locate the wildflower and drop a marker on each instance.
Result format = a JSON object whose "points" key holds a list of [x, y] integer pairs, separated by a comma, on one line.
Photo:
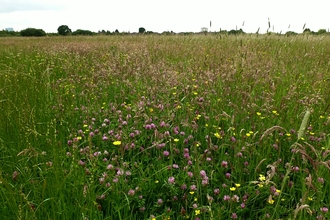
{"points": [[202, 173], [217, 135], [271, 201], [226, 198], [234, 216], [159, 201], [166, 153], [224, 164], [320, 180], [193, 187], [116, 143], [248, 134], [15, 175], [310, 198], [258, 113], [324, 209], [175, 166], [235, 198], [171, 180], [262, 177], [295, 169], [197, 212], [131, 192], [156, 181], [191, 192], [216, 191], [232, 188], [237, 185], [176, 140]]}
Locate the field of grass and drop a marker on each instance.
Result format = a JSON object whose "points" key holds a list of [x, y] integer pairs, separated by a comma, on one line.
{"points": [[165, 127]]}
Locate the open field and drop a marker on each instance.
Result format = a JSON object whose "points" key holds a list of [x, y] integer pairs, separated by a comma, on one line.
{"points": [[165, 127]]}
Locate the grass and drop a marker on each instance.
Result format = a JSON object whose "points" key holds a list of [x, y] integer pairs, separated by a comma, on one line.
{"points": [[165, 127]]}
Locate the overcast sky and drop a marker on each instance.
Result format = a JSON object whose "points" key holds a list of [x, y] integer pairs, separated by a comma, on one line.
{"points": [[166, 15]]}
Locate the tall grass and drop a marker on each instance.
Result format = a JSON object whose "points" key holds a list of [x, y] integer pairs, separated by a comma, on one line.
{"points": [[160, 127]]}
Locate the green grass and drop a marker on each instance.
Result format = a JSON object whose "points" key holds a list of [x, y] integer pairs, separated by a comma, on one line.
{"points": [[159, 127]]}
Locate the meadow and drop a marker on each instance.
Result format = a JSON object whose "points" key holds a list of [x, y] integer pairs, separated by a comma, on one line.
{"points": [[165, 127]]}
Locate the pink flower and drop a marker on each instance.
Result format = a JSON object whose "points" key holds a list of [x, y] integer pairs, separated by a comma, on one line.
{"points": [[224, 164], [324, 209], [171, 180], [131, 192], [226, 198]]}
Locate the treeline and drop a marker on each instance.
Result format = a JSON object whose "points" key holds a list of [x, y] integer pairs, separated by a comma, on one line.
{"points": [[64, 30]]}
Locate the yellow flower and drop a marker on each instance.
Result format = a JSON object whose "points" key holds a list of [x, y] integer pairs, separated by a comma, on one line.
{"points": [[191, 192], [260, 185], [151, 109], [79, 137], [248, 134], [156, 181], [288, 134], [206, 125], [321, 116], [217, 135], [197, 212], [85, 126], [271, 201], [116, 143], [262, 177], [195, 93], [278, 191], [232, 188], [176, 140], [310, 198], [258, 113], [195, 199], [274, 112], [237, 185]]}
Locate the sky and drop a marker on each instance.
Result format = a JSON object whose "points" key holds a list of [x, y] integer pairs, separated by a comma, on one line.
{"points": [[166, 15]]}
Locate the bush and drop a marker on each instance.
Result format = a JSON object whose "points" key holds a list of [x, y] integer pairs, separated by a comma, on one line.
{"points": [[33, 32], [83, 32]]}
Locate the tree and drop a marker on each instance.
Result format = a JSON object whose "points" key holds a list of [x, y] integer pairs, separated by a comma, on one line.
{"points": [[64, 30], [83, 32], [33, 32], [142, 30], [321, 31]]}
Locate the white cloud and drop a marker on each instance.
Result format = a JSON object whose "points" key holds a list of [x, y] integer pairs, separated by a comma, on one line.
{"points": [[160, 15]]}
